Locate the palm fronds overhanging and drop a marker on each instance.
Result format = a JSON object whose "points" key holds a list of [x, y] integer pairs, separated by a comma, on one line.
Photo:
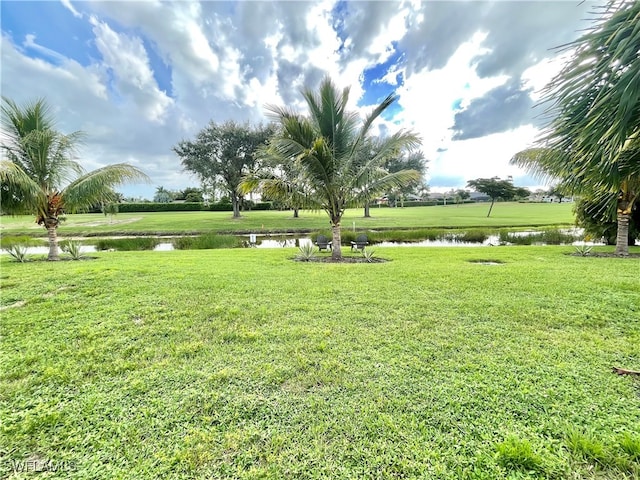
{"points": [[592, 141]]}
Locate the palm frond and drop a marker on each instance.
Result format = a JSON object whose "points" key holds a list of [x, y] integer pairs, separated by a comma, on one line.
{"points": [[97, 186], [20, 194], [384, 183], [595, 106]]}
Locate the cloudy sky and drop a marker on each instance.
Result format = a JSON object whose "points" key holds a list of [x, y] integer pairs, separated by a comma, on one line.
{"points": [[139, 76]]}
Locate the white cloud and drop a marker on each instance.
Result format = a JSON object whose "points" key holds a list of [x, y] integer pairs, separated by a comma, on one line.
{"points": [[227, 60], [127, 58], [484, 157], [67, 4]]}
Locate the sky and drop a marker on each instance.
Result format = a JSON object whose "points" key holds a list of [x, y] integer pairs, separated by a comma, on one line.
{"points": [[137, 77]]}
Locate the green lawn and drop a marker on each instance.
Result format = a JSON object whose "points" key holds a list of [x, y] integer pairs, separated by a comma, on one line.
{"points": [[469, 215], [244, 364]]}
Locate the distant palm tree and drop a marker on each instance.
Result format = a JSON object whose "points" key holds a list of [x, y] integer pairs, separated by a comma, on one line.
{"points": [[162, 195], [592, 142], [326, 148], [39, 174]]}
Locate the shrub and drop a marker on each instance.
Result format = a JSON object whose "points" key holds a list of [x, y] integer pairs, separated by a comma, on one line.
{"points": [[473, 236], [557, 237], [368, 254], [208, 241], [220, 207], [262, 206], [18, 252], [583, 250], [553, 236], [160, 207], [306, 253], [416, 235], [127, 244], [73, 248]]}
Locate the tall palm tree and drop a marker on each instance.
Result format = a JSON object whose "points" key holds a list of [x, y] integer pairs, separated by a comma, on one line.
{"points": [[39, 174], [326, 145], [592, 141]]}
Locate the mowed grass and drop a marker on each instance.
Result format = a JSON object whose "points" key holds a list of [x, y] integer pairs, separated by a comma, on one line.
{"points": [[450, 216], [245, 364]]}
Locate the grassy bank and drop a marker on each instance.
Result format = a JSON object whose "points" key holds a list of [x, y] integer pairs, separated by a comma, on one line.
{"points": [[244, 364], [176, 223]]}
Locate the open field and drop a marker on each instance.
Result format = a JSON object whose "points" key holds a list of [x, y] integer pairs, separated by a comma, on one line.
{"points": [[451, 216], [244, 364]]}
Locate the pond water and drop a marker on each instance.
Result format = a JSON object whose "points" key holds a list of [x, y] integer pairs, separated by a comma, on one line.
{"points": [[292, 241]]}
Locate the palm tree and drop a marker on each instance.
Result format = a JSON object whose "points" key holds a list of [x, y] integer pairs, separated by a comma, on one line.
{"points": [[592, 141], [327, 145], [39, 175], [276, 174]]}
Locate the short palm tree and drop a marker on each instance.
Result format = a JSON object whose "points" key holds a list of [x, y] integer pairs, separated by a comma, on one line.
{"points": [[592, 142], [39, 174], [326, 148]]}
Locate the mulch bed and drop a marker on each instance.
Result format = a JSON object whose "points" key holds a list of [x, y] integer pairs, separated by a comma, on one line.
{"points": [[606, 255], [342, 260]]}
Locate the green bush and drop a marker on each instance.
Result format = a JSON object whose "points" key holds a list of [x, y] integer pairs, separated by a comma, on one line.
{"points": [[207, 241], [220, 207], [73, 249], [417, 235], [127, 244], [408, 236], [262, 206], [473, 236], [553, 236], [18, 252], [557, 237], [160, 207]]}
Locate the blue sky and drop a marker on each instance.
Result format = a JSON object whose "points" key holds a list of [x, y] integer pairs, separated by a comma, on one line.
{"points": [[137, 77]]}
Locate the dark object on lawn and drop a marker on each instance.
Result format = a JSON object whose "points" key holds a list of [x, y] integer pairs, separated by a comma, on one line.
{"points": [[622, 371], [323, 243], [361, 242]]}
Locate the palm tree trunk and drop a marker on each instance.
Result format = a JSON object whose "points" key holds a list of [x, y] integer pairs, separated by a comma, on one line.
{"points": [[492, 200], [295, 212], [52, 233], [622, 238], [336, 247], [367, 214]]}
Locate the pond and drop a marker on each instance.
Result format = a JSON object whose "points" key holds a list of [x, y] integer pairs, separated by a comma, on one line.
{"points": [[294, 241]]}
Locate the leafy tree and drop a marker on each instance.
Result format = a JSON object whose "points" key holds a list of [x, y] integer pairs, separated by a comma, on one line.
{"points": [[461, 195], [327, 146], [556, 191], [496, 189], [592, 141], [406, 160], [190, 194], [224, 153], [39, 175]]}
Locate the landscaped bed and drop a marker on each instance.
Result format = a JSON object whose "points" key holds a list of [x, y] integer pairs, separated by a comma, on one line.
{"points": [[442, 363]]}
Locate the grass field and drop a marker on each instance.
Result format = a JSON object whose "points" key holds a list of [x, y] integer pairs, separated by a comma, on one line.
{"points": [[244, 364], [452, 216]]}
